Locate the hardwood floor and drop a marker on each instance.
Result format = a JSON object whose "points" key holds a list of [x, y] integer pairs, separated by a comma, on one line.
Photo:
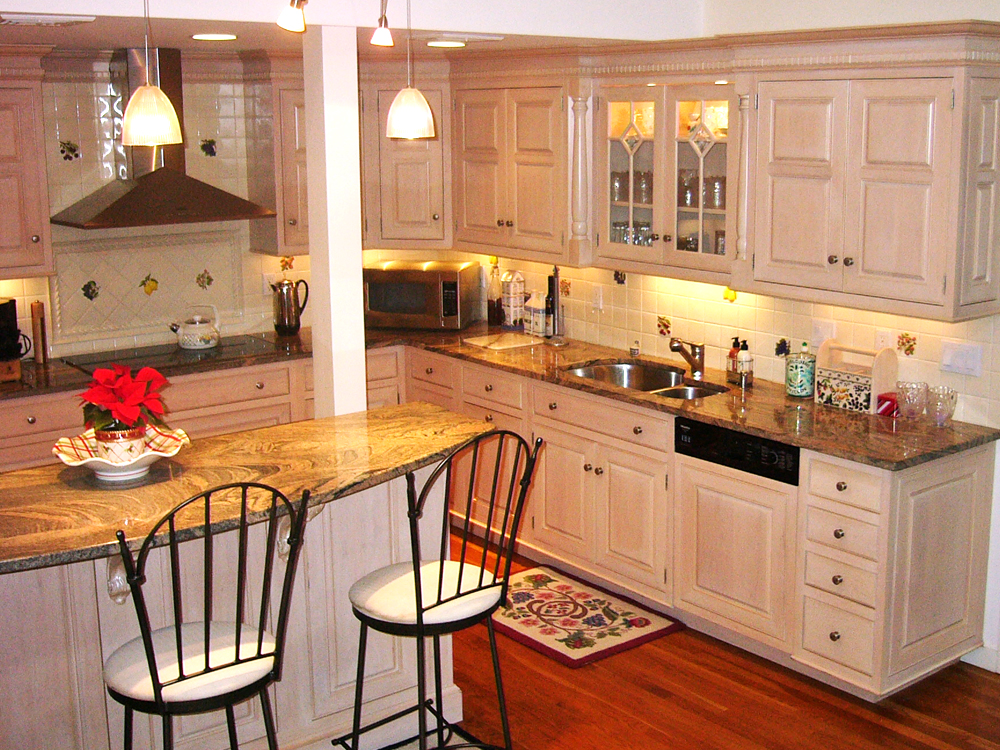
{"points": [[688, 690]]}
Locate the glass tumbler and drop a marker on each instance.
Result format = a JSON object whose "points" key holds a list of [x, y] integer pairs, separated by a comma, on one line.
{"points": [[912, 398], [941, 402]]}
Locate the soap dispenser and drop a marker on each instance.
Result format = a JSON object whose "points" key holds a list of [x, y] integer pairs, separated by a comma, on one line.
{"points": [[744, 366], [800, 373], [731, 374]]}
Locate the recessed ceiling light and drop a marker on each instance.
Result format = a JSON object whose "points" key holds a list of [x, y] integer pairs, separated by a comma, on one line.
{"points": [[721, 82], [214, 37], [445, 43]]}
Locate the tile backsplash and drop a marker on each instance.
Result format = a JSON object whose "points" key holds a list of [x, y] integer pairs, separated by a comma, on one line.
{"points": [[122, 288]]}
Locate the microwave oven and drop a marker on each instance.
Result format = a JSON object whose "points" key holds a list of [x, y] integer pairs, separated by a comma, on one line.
{"points": [[408, 294]]}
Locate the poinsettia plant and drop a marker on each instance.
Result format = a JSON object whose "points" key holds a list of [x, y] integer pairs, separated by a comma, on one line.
{"points": [[117, 401]]}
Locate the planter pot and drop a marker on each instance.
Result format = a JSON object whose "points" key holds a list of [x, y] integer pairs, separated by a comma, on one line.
{"points": [[121, 446]]}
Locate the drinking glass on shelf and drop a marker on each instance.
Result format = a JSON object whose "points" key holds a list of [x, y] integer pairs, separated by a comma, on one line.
{"points": [[912, 398], [941, 401]]}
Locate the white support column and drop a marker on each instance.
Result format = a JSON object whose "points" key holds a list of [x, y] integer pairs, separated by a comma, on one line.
{"points": [[334, 182]]}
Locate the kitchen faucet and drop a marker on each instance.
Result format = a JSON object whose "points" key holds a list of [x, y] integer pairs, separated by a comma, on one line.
{"points": [[695, 358]]}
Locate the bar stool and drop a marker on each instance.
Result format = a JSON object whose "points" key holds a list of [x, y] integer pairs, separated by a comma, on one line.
{"points": [[486, 481], [193, 664]]}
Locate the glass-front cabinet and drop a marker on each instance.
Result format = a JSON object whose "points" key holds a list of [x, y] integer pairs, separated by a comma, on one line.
{"points": [[664, 166]]}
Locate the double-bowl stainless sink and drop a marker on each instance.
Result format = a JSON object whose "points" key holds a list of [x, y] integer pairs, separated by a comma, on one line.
{"points": [[660, 380]]}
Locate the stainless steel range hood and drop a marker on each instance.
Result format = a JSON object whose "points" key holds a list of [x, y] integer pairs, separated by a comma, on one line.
{"points": [[148, 192]]}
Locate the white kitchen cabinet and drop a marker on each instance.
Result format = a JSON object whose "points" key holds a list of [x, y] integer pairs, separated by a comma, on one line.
{"points": [[383, 370], [432, 378], [735, 545], [25, 239], [664, 164], [510, 171]]}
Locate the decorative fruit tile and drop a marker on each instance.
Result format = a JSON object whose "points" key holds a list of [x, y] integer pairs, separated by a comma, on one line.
{"points": [[663, 325], [906, 343]]}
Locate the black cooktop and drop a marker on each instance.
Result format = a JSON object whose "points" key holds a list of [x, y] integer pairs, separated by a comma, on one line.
{"points": [[169, 358]]}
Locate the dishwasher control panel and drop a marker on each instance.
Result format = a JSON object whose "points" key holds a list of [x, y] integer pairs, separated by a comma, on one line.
{"points": [[737, 450]]}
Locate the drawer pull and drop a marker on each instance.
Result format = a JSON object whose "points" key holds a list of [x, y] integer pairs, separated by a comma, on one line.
{"points": [[488, 417], [31, 420], [637, 430], [292, 222], [429, 371], [837, 579], [838, 533], [36, 238], [552, 406], [835, 636], [598, 471], [489, 388], [588, 467], [259, 385], [841, 486]]}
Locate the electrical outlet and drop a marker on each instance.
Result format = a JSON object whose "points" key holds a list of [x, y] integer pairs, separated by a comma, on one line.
{"points": [[597, 303], [821, 331], [884, 340], [962, 358], [270, 278]]}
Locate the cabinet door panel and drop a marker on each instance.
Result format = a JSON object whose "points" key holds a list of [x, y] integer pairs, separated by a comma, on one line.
{"points": [[801, 150], [293, 168], [898, 176], [479, 166], [978, 273], [561, 502]]}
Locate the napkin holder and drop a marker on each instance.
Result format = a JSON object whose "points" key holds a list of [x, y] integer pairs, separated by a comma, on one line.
{"points": [[850, 378]]}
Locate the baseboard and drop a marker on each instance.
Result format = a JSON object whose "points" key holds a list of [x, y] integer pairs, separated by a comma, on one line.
{"points": [[984, 657]]}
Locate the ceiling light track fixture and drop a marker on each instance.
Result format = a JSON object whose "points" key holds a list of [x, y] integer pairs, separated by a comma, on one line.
{"points": [[293, 17], [382, 36], [150, 119], [410, 115]]}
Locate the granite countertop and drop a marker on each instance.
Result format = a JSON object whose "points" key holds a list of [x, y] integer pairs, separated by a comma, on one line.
{"points": [[763, 410], [58, 514], [73, 371]]}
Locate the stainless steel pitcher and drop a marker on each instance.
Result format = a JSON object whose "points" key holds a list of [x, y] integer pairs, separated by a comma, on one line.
{"points": [[287, 308]]}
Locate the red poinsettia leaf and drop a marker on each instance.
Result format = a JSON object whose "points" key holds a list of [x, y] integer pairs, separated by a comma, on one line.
{"points": [[126, 413], [100, 395], [154, 405], [155, 380]]}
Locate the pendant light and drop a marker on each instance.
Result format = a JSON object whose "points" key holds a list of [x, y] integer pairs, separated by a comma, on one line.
{"points": [[293, 17], [150, 119], [409, 115], [382, 36]]}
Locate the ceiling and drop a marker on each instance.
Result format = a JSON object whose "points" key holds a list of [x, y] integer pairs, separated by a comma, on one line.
{"points": [[109, 32]]}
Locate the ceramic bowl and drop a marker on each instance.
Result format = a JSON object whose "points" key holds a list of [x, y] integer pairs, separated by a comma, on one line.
{"points": [[912, 398], [82, 451]]}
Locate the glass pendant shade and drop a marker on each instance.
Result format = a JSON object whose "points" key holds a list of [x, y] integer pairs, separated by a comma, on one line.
{"points": [[382, 36], [150, 119], [293, 18], [410, 116]]}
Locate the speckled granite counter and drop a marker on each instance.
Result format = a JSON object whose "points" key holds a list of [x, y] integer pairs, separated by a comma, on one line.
{"points": [[762, 410], [58, 514]]}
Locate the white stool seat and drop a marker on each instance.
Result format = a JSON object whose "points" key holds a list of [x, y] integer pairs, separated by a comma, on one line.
{"points": [[127, 672], [388, 594]]}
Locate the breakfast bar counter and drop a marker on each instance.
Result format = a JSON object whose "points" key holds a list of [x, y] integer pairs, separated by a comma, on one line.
{"points": [[58, 514]]}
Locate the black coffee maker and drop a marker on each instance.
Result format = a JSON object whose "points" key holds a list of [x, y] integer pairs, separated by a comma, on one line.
{"points": [[13, 343]]}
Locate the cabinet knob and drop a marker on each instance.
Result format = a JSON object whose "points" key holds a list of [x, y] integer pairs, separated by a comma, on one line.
{"points": [[429, 370], [588, 467], [668, 238], [838, 533], [637, 430], [654, 237], [489, 389], [259, 385], [848, 262], [509, 223], [36, 238], [837, 579], [31, 420], [488, 418], [499, 222], [598, 471], [436, 217], [832, 260], [552, 406], [292, 222], [835, 636], [841, 486]]}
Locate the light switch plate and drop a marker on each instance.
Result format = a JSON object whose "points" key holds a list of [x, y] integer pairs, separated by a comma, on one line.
{"points": [[962, 358], [883, 340], [270, 278], [598, 302]]}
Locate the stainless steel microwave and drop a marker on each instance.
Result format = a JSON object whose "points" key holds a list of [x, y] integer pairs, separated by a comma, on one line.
{"points": [[408, 294]]}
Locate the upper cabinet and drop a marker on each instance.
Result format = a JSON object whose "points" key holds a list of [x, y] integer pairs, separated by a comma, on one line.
{"points": [[510, 170], [663, 164], [406, 183], [874, 186], [276, 152], [25, 244]]}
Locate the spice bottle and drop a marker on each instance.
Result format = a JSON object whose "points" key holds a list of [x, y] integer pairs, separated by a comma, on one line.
{"points": [[800, 373]]}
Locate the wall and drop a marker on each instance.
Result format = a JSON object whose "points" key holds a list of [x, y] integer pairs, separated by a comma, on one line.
{"points": [[117, 289]]}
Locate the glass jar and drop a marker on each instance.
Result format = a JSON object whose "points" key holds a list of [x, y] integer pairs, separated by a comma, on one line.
{"points": [[800, 373]]}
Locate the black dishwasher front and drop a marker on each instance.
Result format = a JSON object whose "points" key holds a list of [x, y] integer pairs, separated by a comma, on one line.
{"points": [[737, 450]]}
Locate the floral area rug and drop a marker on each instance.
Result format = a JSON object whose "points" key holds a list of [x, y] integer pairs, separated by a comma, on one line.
{"points": [[573, 623]]}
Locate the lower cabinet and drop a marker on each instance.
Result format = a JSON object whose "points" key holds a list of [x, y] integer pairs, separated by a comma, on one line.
{"points": [[735, 548], [383, 368]]}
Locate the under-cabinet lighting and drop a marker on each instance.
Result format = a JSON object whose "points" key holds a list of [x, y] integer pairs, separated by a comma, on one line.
{"points": [[214, 37], [448, 43]]}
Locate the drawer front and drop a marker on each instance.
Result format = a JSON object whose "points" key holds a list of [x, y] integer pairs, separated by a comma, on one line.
{"points": [[37, 416], [224, 387], [839, 636], [497, 417], [200, 425], [309, 378], [841, 579], [841, 532], [433, 369], [383, 395], [637, 428], [845, 485], [382, 365], [493, 386]]}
